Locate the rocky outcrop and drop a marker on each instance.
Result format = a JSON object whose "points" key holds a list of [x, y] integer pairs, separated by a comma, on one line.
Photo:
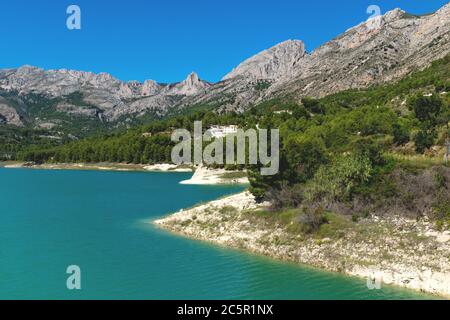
{"points": [[8, 114], [77, 110], [189, 87], [278, 62], [149, 88]]}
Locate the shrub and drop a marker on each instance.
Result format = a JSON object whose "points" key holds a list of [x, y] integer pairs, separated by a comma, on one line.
{"points": [[401, 134], [338, 180], [373, 150], [426, 109], [304, 156], [313, 105], [424, 139], [285, 197], [312, 218], [441, 180], [441, 210], [377, 121], [258, 192], [299, 112]]}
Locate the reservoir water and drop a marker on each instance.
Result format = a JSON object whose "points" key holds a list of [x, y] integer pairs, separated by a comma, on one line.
{"points": [[98, 221]]}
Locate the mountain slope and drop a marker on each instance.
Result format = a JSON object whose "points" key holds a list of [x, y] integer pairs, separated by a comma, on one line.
{"points": [[373, 52], [363, 56]]}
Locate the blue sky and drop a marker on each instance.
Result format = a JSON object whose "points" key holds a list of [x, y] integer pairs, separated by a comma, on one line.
{"points": [[166, 40]]}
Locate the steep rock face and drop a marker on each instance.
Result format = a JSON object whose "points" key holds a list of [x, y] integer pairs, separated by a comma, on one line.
{"points": [[9, 115], [135, 89], [150, 88], [275, 63]]}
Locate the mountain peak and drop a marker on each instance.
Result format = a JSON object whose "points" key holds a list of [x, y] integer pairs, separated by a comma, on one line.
{"points": [[393, 15], [289, 42], [276, 62], [192, 78], [191, 86]]}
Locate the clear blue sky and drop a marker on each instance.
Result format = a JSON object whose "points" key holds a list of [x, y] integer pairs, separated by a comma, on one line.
{"points": [[165, 40]]}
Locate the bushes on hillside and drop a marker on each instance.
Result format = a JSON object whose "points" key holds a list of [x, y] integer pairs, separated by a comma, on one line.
{"points": [[285, 197], [312, 218], [427, 109], [424, 139], [337, 181], [313, 105], [401, 132], [304, 155], [430, 111]]}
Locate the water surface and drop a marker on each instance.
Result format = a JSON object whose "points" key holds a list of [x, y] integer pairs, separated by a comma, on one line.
{"points": [[98, 221]]}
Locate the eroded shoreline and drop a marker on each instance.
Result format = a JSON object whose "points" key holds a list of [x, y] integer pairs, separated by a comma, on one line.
{"points": [[396, 251]]}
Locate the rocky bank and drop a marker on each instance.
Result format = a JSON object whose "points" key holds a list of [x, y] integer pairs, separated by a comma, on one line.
{"points": [[395, 251]]}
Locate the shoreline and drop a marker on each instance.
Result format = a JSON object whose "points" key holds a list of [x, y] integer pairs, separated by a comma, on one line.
{"points": [[406, 253], [102, 166], [206, 176], [201, 175]]}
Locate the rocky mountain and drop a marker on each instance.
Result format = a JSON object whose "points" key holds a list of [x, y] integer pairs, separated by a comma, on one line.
{"points": [[100, 92], [276, 63], [369, 54], [375, 51], [379, 50]]}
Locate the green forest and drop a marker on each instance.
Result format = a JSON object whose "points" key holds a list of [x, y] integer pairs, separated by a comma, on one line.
{"points": [[414, 109]]}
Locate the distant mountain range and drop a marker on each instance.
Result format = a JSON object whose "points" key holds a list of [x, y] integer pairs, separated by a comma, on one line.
{"points": [[360, 57]]}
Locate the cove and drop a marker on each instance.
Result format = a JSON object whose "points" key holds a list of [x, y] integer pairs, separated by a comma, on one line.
{"points": [[98, 220]]}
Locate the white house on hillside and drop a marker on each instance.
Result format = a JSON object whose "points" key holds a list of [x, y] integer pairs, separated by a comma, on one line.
{"points": [[222, 131]]}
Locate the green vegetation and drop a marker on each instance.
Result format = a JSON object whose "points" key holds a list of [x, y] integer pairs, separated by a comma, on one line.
{"points": [[45, 126], [262, 85], [337, 180], [352, 152], [233, 175], [343, 153]]}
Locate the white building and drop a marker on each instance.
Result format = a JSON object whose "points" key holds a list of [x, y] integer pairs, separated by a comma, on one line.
{"points": [[282, 112], [222, 131]]}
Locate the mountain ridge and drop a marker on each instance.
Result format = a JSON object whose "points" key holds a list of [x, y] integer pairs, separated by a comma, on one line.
{"points": [[361, 56]]}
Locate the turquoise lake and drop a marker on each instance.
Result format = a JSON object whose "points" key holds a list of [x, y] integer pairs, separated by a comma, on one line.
{"points": [[50, 220]]}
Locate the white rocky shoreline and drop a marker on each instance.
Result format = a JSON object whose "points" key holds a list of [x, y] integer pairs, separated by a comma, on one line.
{"points": [[202, 175], [206, 176], [403, 252], [104, 166]]}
